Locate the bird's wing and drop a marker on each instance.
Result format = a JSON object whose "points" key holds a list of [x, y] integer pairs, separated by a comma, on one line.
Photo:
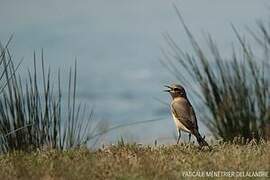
{"points": [[184, 112], [193, 117]]}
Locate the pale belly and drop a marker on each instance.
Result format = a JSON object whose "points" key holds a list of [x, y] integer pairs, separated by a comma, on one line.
{"points": [[179, 125]]}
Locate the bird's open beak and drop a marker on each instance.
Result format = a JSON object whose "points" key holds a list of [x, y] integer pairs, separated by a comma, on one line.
{"points": [[168, 90]]}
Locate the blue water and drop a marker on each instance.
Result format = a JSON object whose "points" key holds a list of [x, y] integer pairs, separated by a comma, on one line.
{"points": [[118, 46]]}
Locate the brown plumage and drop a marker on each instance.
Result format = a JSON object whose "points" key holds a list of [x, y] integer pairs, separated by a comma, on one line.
{"points": [[183, 114]]}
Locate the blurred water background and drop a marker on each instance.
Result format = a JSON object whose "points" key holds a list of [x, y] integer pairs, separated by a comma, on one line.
{"points": [[118, 45]]}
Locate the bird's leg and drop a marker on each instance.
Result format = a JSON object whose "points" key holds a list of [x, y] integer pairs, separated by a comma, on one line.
{"points": [[179, 136], [189, 137]]}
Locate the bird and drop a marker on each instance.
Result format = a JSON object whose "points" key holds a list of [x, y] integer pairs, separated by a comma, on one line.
{"points": [[183, 113]]}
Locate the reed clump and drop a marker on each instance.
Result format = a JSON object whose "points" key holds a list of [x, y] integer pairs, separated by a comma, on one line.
{"points": [[234, 90], [33, 114]]}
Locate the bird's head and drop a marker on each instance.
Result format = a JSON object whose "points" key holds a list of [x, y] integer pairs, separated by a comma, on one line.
{"points": [[176, 90]]}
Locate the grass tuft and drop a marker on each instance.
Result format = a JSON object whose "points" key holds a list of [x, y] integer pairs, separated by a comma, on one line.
{"points": [[32, 112], [234, 91]]}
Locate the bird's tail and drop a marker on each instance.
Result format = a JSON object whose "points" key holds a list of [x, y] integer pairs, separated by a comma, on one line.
{"points": [[201, 140]]}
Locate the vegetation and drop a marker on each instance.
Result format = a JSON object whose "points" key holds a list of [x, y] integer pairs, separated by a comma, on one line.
{"points": [[131, 161], [234, 90], [31, 113], [41, 138], [34, 115]]}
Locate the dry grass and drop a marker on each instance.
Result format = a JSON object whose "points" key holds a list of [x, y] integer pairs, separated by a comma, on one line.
{"points": [[134, 162]]}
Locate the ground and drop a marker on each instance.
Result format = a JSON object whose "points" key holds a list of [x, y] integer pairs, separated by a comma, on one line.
{"points": [[131, 161]]}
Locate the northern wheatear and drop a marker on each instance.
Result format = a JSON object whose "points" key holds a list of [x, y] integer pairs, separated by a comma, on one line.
{"points": [[183, 114]]}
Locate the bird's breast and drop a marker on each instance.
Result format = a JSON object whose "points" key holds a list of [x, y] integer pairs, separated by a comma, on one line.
{"points": [[179, 125]]}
